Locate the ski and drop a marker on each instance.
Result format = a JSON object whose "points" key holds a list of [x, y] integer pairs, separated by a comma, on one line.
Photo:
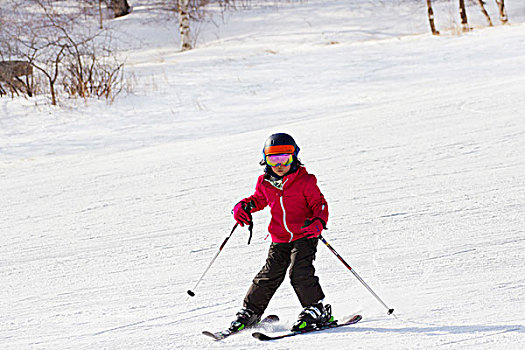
{"points": [[264, 337], [226, 333]]}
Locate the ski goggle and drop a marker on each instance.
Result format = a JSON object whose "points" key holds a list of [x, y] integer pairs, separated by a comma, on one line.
{"points": [[280, 149], [279, 159]]}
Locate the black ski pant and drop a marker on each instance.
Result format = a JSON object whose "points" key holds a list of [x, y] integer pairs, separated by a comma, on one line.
{"points": [[299, 256]]}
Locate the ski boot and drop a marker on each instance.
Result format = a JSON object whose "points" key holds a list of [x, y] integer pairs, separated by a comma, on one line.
{"points": [[245, 318], [313, 316]]}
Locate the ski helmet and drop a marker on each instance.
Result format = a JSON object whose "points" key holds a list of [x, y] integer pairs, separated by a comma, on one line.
{"points": [[280, 143]]}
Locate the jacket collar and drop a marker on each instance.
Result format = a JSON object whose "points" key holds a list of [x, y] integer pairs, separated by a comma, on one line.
{"points": [[278, 182]]}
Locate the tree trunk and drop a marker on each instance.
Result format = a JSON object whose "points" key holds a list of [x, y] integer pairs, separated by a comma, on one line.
{"points": [[431, 18], [120, 7], [484, 11], [502, 12], [184, 25], [463, 15], [52, 76], [52, 89], [100, 13]]}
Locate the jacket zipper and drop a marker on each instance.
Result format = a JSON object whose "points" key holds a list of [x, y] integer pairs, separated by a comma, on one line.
{"points": [[284, 214]]}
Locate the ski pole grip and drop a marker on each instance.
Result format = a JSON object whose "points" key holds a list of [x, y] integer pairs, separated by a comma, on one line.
{"points": [[248, 208]]}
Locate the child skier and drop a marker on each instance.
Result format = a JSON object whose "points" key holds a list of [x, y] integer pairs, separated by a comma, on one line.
{"points": [[299, 214]]}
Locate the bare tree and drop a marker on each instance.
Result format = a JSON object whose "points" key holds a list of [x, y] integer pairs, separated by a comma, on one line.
{"points": [[431, 18], [502, 12], [51, 69], [71, 55], [100, 16], [484, 11], [184, 25], [463, 15]]}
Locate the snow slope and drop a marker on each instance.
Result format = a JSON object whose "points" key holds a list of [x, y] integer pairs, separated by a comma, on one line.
{"points": [[111, 212]]}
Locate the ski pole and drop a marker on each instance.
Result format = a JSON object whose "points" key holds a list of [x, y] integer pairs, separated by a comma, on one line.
{"points": [[248, 208], [390, 311], [190, 292]]}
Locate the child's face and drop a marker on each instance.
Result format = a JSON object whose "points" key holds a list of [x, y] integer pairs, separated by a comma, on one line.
{"points": [[281, 170]]}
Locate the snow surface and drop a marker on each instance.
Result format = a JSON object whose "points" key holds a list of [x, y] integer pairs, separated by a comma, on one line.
{"points": [[111, 212]]}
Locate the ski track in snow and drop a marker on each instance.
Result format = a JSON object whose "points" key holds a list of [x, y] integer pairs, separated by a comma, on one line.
{"points": [[110, 213]]}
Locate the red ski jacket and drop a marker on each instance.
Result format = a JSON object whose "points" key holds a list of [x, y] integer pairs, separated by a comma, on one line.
{"points": [[291, 202]]}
